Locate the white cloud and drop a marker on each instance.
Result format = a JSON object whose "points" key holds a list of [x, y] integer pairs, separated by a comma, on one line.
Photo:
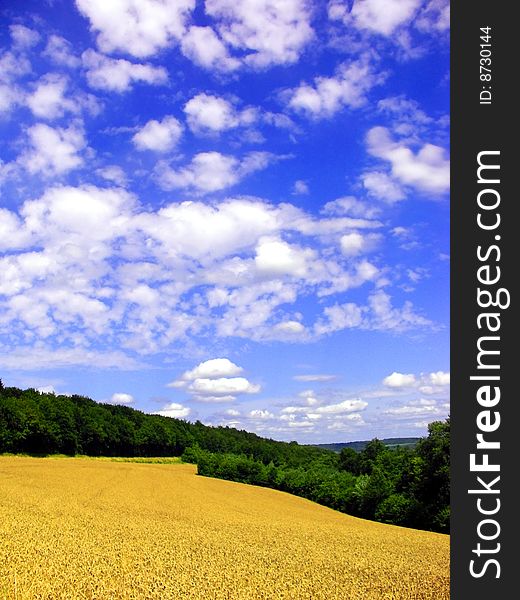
{"points": [[213, 114], [300, 188], [267, 31], [381, 186], [316, 377], [404, 109], [347, 406], [297, 424], [376, 16], [260, 414], [113, 173], [49, 100], [399, 380], [59, 51], [159, 136], [419, 407], [378, 315], [355, 243], [121, 398], [23, 37], [92, 264], [215, 380], [34, 357], [232, 412], [223, 388], [430, 384], [118, 75], [387, 318], [428, 170], [9, 97], [347, 424], [348, 205], [140, 28], [211, 171], [13, 66], [291, 328], [292, 410], [439, 378], [213, 368], [434, 17], [174, 410], [276, 257], [53, 151], [202, 46], [348, 88]]}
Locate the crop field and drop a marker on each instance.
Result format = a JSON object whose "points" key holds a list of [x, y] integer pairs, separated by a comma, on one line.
{"points": [[75, 528]]}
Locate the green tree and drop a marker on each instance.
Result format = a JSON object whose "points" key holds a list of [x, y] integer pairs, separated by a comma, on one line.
{"points": [[349, 460]]}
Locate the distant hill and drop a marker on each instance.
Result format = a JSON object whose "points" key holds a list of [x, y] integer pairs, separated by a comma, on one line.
{"points": [[409, 442]]}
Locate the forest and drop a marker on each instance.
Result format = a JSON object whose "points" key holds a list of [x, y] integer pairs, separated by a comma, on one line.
{"points": [[406, 486]]}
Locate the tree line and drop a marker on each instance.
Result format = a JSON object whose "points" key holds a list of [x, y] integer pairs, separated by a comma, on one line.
{"points": [[402, 486]]}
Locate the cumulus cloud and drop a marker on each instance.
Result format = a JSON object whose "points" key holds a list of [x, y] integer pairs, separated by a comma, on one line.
{"points": [[53, 151], [60, 51], [211, 171], [140, 28], [210, 113], [355, 243], [118, 75], [13, 66], [159, 136], [276, 257], [9, 98], [429, 384], [404, 110], [427, 170], [300, 188], [215, 381], [376, 16], [266, 32], [174, 410], [439, 378], [203, 46], [48, 100], [413, 410], [378, 314], [434, 17], [223, 386], [23, 37], [381, 186], [331, 411], [348, 88], [92, 264], [348, 205], [399, 380], [113, 173], [121, 398], [213, 368], [347, 406], [260, 414]]}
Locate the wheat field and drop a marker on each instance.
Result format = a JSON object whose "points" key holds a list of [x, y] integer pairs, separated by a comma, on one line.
{"points": [[77, 528]]}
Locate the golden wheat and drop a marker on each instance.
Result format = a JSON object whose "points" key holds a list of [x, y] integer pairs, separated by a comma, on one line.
{"points": [[77, 528]]}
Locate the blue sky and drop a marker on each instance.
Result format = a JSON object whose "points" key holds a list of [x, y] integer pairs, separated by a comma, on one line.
{"points": [[236, 212]]}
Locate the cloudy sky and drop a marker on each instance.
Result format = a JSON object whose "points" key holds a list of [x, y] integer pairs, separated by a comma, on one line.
{"points": [[229, 211]]}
